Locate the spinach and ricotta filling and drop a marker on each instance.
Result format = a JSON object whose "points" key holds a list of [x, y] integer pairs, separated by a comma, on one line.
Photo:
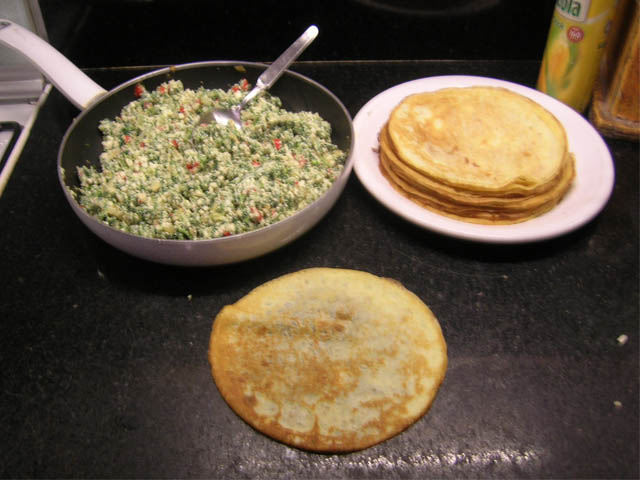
{"points": [[164, 175]]}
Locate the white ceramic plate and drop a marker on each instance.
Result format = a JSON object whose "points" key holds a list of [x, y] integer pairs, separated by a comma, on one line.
{"points": [[590, 192]]}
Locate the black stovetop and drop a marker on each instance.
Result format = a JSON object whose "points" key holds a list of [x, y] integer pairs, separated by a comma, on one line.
{"points": [[100, 33], [104, 356]]}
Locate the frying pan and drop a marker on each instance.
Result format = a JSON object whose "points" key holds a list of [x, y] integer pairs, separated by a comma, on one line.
{"points": [[81, 145]]}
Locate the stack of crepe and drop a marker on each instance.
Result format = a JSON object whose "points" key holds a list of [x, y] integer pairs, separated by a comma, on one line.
{"points": [[478, 154]]}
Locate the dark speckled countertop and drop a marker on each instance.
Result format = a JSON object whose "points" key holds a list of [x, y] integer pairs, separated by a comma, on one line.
{"points": [[104, 356]]}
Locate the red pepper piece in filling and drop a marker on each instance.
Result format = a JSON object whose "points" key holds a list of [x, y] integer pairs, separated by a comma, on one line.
{"points": [[277, 143], [138, 90], [301, 160], [257, 215]]}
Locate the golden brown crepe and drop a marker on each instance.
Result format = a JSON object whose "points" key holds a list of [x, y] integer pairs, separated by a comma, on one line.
{"points": [[328, 360], [479, 154]]}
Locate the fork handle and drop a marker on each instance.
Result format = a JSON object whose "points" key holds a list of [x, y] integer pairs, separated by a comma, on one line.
{"points": [[277, 68]]}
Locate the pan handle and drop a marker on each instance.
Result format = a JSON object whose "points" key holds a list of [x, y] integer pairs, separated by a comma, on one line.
{"points": [[69, 79]]}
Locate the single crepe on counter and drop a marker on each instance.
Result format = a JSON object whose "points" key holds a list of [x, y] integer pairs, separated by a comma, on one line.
{"points": [[477, 154], [328, 360]]}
